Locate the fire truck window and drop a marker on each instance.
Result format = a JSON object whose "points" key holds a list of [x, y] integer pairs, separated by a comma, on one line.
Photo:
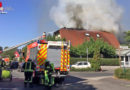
{"points": [[33, 53]]}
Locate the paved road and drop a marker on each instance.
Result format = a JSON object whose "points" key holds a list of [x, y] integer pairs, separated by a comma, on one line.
{"points": [[91, 74], [71, 82], [75, 81]]}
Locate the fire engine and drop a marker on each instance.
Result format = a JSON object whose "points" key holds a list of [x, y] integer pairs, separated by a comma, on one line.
{"points": [[56, 52]]}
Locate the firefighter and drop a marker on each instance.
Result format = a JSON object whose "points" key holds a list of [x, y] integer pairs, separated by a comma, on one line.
{"points": [[28, 67], [50, 70], [2, 65]]}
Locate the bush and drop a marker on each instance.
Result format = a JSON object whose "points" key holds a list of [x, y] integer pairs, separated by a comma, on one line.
{"points": [[103, 61], [110, 62], [122, 73], [95, 65]]}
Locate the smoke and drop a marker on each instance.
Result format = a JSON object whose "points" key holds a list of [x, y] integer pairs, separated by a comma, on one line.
{"points": [[88, 14]]}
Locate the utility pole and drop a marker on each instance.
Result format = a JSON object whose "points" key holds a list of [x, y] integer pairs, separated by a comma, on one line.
{"points": [[120, 56], [87, 54]]}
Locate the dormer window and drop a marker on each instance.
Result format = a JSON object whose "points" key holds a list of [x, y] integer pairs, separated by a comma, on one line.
{"points": [[87, 34], [98, 35]]}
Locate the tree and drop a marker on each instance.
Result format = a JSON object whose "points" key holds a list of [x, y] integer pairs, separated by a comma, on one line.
{"points": [[24, 51], [105, 49], [50, 37], [6, 47], [9, 53], [127, 37], [1, 48], [95, 62]]}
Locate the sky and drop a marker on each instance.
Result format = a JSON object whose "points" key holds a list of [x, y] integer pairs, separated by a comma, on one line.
{"points": [[27, 19]]}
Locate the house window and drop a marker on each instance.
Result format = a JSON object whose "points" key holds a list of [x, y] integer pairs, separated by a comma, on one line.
{"points": [[126, 58], [98, 35], [59, 36], [87, 34]]}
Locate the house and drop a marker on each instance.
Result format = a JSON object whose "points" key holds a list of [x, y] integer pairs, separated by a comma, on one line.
{"points": [[124, 54], [79, 36]]}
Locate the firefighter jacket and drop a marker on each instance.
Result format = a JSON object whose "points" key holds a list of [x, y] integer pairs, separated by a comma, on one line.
{"points": [[49, 68], [29, 66], [2, 64]]}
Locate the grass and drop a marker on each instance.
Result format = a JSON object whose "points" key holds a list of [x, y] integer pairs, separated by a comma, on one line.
{"points": [[122, 73]]}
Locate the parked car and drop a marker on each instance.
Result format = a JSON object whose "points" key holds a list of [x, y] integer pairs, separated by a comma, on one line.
{"points": [[81, 64]]}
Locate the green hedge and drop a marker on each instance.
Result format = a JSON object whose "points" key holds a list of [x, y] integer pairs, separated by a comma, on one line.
{"points": [[122, 73], [104, 61]]}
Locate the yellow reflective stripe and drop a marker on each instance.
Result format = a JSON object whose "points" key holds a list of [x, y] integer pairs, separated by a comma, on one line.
{"points": [[45, 49], [42, 47], [39, 60], [65, 60], [62, 58], [42, 55], [43, 59]]}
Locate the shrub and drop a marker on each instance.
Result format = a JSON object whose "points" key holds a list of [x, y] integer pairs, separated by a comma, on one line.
{"points": [[95, 62], [119, 73], [122, 73], [95, 65], [110, 62]]}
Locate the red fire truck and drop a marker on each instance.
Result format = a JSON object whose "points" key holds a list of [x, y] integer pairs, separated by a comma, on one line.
{"points": [[57, 52]]}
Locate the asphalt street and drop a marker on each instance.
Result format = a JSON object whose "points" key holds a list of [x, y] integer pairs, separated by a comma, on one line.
{"points": [[75, 80]]}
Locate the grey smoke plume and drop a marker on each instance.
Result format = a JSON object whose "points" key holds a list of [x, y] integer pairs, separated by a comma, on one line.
{"points": [[88, 14]]}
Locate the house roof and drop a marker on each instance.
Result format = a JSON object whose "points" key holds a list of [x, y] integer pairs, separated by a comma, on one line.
{"points": [[77, 37], [123, 52]]}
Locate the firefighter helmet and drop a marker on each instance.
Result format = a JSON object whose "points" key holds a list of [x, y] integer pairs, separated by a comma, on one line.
{"points": [[29, 59]]}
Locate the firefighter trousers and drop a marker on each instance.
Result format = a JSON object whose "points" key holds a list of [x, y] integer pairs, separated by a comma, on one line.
{"points": [[28, 77]]}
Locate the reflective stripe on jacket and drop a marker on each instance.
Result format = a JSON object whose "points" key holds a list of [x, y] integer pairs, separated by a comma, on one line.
{"points": [[30, 67]]}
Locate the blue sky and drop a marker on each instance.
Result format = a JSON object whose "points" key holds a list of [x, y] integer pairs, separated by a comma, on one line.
{"points": [[27, 19]]}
